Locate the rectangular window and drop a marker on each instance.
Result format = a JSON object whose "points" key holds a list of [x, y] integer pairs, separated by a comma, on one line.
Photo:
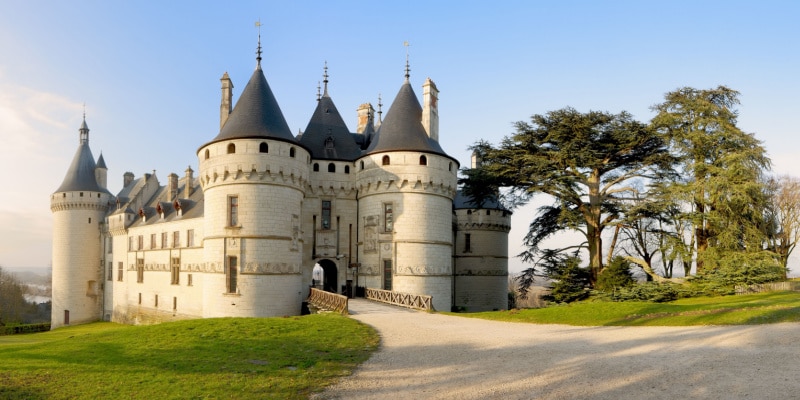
{"points": [[156, 301], [176, 239], [388, 217], [326, 214], [110, 245], [66, 317], [120, 269], [175, 268], [131, 243], [174, 303], [140, 298], [110, 271], [163, 240], [467, 243], [189, 280], [190, 238], [153, 241], [232, 275], [140, 242], [233, 210], [387, 274], [140, 270]]}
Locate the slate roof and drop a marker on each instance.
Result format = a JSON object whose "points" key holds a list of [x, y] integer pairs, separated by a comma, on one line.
{"points": [[80, 175], [402, 129], [463, 202], [256, 114], [327, 136], [101, 162]]}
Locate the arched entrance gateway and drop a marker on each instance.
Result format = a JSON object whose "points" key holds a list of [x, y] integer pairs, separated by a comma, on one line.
{"points": [[329, 276]]}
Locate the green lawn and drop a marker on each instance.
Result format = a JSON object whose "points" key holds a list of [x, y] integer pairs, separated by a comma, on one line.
{"points": [[228, 358], [751, 309]]}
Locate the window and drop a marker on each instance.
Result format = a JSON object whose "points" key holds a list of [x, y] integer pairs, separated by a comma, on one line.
{"points": [[387, 274], [331, 167], [188, 279], [423, 160], [176, 239], [450, 167], [326, 214], [388, 217], [467, 243], [139, 270], [163, 240], [346, 169], [233, 210], [207, 154], [232, 275], [174, 303], [156, 301], [190, 238], [153, 241], [362, 165], [66, 317], [488, 212], [231, 148], [140, 298], [175, 269], [263, 148], [385, 160], [109, 245], [110, 271], [291, 152], [120, 270], [139, 242], [316, 167]]}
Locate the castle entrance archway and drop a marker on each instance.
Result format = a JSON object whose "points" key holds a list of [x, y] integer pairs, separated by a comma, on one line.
{"points": [[329, 275]]}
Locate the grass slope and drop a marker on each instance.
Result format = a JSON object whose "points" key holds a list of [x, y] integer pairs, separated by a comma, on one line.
{"points": [[228, 358], [728, 310]]}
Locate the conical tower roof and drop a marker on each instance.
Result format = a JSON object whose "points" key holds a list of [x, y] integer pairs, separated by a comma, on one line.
{"points": [[101, 162], [402, 128], [256, 114], [327, 136], [80, 175]]}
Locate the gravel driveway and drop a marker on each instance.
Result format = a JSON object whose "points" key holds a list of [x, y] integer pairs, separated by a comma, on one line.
{"points": [[432, 356]]}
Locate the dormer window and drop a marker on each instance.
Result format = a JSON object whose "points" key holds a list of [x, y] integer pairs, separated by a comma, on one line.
{"points": [[177, 205], [231, 148]]}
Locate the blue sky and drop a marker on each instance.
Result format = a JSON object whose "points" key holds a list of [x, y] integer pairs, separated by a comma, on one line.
{"points": [[149, 73]]}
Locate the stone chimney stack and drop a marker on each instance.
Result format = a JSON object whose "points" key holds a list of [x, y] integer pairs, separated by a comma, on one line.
{"points": [[127, 178], [365, 116], [172, 186], [226, 105], [430, 109], [187, 188], [475, 160]]}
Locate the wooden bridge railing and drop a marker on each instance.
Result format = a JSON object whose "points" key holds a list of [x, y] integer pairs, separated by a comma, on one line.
{"points": [[328, 301], [417, 301]]}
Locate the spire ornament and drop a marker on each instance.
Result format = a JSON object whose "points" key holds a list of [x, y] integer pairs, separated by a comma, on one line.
{"points": [[408, 66], [258, 50], [325, 78]]}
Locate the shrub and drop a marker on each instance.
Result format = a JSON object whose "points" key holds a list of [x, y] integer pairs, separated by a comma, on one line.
{"points": [[570, 282], [617, 274], [656, 292]]}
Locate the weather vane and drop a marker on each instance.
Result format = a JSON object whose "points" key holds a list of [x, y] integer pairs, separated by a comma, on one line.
{"points": [[408, 67], [258, 51]]}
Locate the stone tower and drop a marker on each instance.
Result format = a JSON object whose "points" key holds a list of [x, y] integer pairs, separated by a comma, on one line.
{"points": [[406, 188], [253, 175], [79, 206]]}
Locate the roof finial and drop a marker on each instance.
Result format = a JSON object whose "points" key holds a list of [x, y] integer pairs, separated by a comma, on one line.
{"points": [[258, 51], [325, 77], [380, 106], [408, 67], [318, 91], [84, 111], [83, 131]]}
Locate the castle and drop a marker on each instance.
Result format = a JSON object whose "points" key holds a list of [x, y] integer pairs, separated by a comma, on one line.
{"points": [[378, 208]]}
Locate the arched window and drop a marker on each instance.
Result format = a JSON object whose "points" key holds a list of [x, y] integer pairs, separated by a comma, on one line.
{"points": [[231, 148], [331, 167], [385, 160], [450, 167], [346, 169], [316, 167], [291, 152], [263, 147], [423, 160], [207, 154]]}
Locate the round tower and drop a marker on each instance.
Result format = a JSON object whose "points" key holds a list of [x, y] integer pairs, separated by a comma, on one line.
{"points": [[481, 255], [406, 188], [79, 206], [253, 175]]}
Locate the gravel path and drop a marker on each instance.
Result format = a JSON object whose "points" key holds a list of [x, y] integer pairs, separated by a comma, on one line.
{"points": [[432, 356]]}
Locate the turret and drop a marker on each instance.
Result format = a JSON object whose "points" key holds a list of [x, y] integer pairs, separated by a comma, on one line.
{"points": [[79, 206]]}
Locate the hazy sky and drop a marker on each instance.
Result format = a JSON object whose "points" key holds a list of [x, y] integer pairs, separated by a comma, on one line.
{"points": [[149, 73]]}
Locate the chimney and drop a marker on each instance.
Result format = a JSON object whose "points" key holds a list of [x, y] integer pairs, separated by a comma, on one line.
{"points": [[172, 186], [430, 109], [187, 188], [127, 178], [476, 160], [365, 116], [226, 105]]}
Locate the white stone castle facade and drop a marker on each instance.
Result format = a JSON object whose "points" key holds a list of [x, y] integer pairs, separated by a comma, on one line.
{"points": [[378, 208]]}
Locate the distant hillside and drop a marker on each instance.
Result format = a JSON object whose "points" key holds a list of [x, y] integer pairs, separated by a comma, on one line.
{"points": [[31, 275]]}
